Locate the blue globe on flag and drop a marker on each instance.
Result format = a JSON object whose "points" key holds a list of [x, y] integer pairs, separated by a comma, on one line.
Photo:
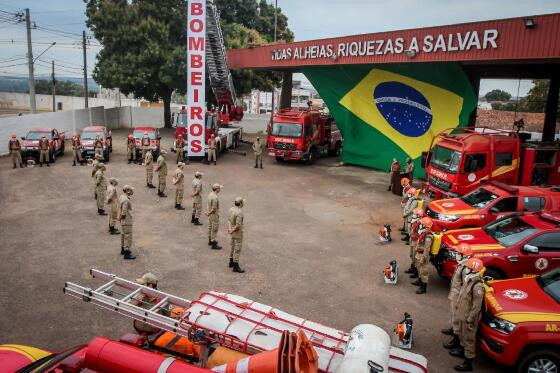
{"points": [[403, 107]]}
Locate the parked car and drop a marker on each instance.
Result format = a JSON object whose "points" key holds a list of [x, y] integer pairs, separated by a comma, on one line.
{"points": [[153, 135], [521, 325], [30, 146], [88, 139], [490, 202], [514, 246]]}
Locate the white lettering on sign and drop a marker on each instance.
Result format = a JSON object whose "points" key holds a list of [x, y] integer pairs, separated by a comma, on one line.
{"points": [[196, 73], [441, 43]]}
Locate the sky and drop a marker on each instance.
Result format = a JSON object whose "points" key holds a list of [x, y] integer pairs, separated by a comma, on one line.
{"points": [[309, 19]]}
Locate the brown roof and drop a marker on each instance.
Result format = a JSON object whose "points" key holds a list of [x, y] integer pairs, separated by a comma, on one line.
{"points": [[498, 119]]}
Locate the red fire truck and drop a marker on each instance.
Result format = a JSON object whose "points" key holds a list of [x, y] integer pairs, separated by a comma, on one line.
{"points": [[302, 135], [463, 157]]}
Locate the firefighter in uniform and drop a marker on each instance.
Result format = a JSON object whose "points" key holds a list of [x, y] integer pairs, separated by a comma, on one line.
{"points": [[462, 253], [145, 142], [180, 147], [418, 214], [125, 207], [95, 167], [161, 169], [212, 149], [409, 207], [113, 203], [131, 149], [179, 182], [77, 149], [409, 170], [235, 223], [213, 214], [469, 310], [196, 198], [100, 188], [257, 149], [44, 147], [394, 171], [98, 145], [423, 247], [15, 151], [149, 164]]}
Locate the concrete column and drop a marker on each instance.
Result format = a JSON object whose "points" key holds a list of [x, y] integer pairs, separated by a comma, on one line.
{"points": [[551, 111], [286, 95]]}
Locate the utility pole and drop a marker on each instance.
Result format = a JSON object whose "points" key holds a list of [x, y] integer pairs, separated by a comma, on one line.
{"points": [[85, 68], [273, 88], [53, 89], [32, 103]]}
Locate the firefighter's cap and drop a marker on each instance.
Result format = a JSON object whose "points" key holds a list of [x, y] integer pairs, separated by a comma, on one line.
{"points": [[216, 186], [475, 264], [147, 278], [14, 136], [419, 212], [405, 180], [464, 249], [180, 165], [239, 200], [127, 187], [113, 180], [198, 174], [427, 222]]}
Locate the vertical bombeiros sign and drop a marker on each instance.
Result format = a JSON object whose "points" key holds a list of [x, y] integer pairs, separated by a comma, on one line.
{"points": [[196, 73]]}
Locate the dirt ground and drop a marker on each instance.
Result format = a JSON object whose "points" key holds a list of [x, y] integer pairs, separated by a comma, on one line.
{"points": [[310, 249]]}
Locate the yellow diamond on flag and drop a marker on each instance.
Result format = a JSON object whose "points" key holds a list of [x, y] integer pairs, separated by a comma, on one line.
{"points": [[407, 111]]}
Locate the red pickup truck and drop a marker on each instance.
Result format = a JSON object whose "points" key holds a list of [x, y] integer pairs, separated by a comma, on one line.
{"points": [[520, 327], [30, 146], [490, 202]]}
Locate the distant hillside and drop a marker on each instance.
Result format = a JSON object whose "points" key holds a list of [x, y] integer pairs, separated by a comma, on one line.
{"points": [[20, 85]]}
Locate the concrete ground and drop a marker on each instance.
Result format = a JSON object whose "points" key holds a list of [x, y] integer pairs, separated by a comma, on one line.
{"points": [[310, 249]]}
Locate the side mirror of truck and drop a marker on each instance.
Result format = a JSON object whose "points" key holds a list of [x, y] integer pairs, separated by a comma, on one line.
{"points": [[23, 137], [530, 249]]}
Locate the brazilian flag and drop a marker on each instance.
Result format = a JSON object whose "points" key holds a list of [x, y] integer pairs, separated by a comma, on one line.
{"points": [[393, 110]]}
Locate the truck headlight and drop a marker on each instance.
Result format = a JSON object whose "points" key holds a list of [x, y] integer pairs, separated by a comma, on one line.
{"points": [[448, 217], [502, 325]]}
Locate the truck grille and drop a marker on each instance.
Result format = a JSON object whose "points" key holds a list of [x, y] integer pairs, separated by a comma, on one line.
{"points": [[284, 146], [439, 183]]}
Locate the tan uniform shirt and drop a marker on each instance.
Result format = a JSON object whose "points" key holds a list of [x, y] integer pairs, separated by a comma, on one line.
{"points": [[126, 209], [149, 160], [14, 145], [470, 300], [100, 180], [44, 144], [179, 178], [197, 190], [424, 247], [257, 148], [161, 167], [236, 222], [457, 281], [409, 207], [112, 196], [213, 204]]}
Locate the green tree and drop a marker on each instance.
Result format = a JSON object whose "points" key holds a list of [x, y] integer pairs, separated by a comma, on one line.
{"points": [[535, 101], [63, 88], [143, 47], [497, 95]]}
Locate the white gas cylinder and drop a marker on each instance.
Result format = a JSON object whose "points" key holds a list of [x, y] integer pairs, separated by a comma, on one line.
{"points": [[367, 351]]}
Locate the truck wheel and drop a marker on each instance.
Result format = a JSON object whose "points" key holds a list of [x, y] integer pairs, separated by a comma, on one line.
{"points": [[310, 157], [279, 159], [546, 361], [494, 274]]}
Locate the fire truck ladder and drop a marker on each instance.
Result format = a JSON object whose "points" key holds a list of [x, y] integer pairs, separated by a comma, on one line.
{"points": [[216, 60]]}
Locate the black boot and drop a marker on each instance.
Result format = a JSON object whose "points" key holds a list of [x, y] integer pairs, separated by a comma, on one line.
{"points": [[422, 288], [129, 161], [237, 268], [162, 195], [21, 165], [73, 163], [101, 212], [215, 246], [405, 238], [389, 188], [230, 262], [41, 164], [129, 255], [151, 186], [414, 274], [122, 250], [48, 164], [176, 206], [466, 366], [410, 270], [16, 166], [192, 219], [179, 207], [458, 352], [448, 331], [196, 222], [114, 230], [254, 167], [261, 166], [453, 343], [417, 282], [209, 242], [214, 163]]}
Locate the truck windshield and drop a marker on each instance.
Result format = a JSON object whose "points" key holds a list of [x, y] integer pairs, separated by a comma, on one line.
{"points": [[550, 282], [479, 198], [445, 159], [510, 231], [286, 129], [92, 135], [37, 135], [140, 134]]}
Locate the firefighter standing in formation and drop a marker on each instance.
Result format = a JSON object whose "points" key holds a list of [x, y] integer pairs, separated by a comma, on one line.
{"points": [[15, 151], [423, 247], [409, 168], [125, 207], [462, 253], [77, 149], [258, 150], [213, 214], [212, 149], [469, 310], [161, 169], [417, 215], [98, 146], [394, 172], [149, 164], [196, 198], [179, 182], [44, 147], [235, 230], [180, 147], [131, 149], [145, 142], [100, 188], [113, 203], [411, 204]]}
